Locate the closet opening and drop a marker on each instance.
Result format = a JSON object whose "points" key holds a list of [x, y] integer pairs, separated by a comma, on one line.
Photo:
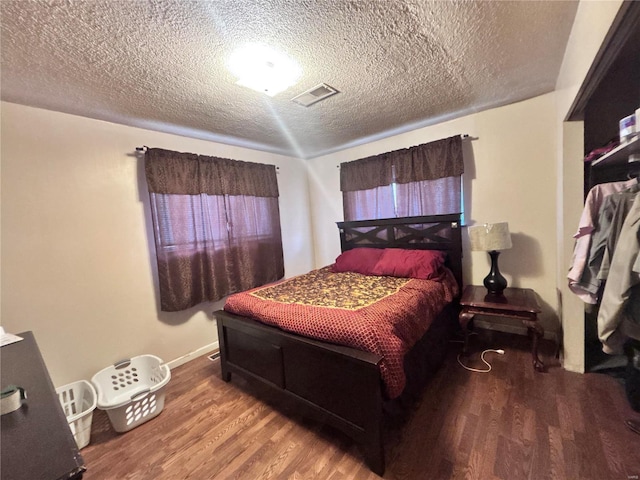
{"points": [[610, 92]]}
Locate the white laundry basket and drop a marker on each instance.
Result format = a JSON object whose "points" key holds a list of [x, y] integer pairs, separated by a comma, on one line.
{"points": [[78, 400], [132, 391]]}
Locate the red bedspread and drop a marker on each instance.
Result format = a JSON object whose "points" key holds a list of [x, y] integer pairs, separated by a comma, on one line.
{"points": [[382, 315]]}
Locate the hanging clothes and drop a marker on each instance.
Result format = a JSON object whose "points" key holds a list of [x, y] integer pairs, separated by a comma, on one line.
{"points": [[622, 201], [613, 211], [587, 225], [619, 315]]}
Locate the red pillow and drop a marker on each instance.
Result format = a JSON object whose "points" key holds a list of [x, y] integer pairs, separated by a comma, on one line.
{"points": [[396, 262], [359, 260]]}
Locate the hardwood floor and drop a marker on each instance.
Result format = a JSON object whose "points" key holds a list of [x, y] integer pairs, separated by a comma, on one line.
{"points": [[510, 423]]}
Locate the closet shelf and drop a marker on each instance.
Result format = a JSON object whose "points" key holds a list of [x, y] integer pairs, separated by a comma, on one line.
{"points": [[620, 154]]}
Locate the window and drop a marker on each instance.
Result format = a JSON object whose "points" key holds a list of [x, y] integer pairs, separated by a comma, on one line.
{"points": [[422, 180], [216, 226]]}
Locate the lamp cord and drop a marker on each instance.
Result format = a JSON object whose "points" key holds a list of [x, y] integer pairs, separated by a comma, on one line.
{"points": [[499, 351]]}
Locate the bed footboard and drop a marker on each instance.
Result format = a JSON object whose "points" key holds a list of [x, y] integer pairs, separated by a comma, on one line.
{"points": [[342, 388]]}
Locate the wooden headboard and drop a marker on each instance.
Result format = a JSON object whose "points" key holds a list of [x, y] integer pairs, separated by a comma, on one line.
{"points": [[436, 232]]}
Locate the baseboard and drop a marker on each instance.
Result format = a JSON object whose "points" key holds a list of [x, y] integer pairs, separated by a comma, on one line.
{"points": [[193, 355]]}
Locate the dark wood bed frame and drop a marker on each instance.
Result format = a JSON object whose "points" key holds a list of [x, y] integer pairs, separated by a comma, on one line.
{"points": [[343, 387]]}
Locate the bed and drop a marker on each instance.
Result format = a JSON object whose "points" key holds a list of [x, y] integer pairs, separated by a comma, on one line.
{"points": [[349, 384]]}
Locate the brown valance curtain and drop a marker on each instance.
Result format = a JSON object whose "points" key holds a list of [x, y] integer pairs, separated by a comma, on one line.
{"points": [[190, 174], [216, 226], [429, 161], [366, 173]]}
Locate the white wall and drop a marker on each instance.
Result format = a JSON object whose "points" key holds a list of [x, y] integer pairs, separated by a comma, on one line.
{"points": [[590, 27], [510, 175], [78, 264]]}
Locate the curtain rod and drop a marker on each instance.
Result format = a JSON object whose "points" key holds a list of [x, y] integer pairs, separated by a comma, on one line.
{"points": [[463, 136]]}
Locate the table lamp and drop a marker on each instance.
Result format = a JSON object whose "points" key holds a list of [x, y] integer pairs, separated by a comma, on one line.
{"points": [[491, 238]]}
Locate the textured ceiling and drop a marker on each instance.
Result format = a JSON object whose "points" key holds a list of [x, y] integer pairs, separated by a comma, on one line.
{"points": [[399, 64]]}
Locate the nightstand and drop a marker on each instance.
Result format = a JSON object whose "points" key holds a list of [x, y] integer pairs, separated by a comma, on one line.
{"points": [[517, 303]]}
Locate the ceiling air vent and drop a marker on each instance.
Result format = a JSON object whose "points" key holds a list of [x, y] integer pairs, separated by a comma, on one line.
{"points": [[315, 94]]}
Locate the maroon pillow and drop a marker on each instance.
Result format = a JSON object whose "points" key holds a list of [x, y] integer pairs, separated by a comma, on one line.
{"points": [[359, 260], [396, 262]]}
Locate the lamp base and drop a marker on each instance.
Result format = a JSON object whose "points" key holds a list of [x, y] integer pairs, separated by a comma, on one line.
{"points": [[495, 283]]}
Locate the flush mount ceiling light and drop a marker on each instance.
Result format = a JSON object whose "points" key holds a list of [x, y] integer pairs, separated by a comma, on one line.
{"points": [[263, 69]]}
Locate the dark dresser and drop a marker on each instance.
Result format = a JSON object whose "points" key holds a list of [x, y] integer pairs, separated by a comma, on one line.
{"points": [[36, 442]]}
